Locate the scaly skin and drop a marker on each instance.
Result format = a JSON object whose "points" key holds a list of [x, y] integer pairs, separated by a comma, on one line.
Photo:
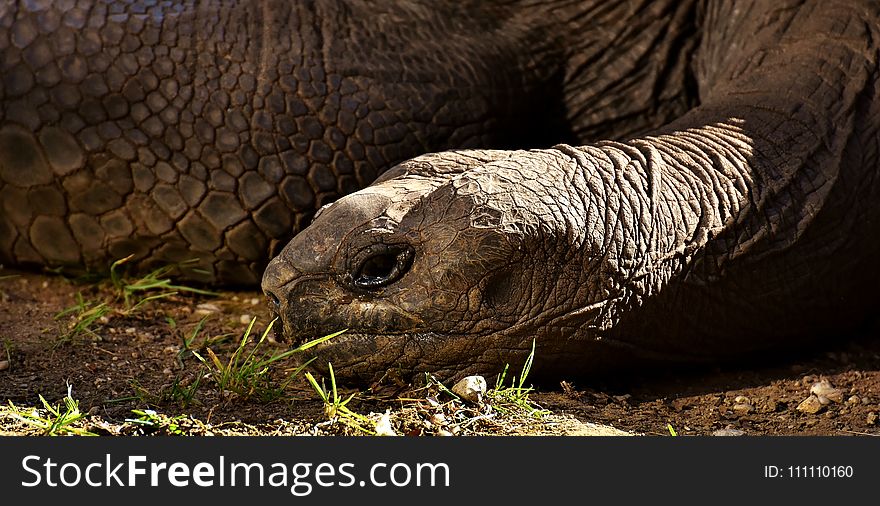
{"points": [[748, 223]]}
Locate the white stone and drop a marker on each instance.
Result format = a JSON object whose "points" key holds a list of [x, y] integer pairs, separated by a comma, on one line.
{"points": [[471, 389], [825, 389], [728, 432], [383, 425], [810, 405], [207, 308]]}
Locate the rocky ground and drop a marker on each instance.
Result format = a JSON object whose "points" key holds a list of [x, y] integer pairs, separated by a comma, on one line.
{"points": [[133, 366]]}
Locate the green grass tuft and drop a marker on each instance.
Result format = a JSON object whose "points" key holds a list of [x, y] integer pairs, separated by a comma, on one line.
{"points": [[153, 286], [159, 422], [52, 420], [83, 315], [246, 374], [132, 296], [516, 396], [335, 407]]}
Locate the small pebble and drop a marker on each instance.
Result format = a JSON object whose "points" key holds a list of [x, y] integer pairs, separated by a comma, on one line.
{"points": [[4, 364], [810, 405], [729, 431], [130, 330], [383, 425], [439, 419], [254, 301], [245, 318], [742, 408], [471, 389], [167, 370], [824, 389], [872, 418], [854, 399], [743, 405], [443, 432], [206, 308]]}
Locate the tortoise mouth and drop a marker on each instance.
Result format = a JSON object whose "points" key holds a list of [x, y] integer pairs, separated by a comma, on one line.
{"points": [[343, 336], [364, 357]]}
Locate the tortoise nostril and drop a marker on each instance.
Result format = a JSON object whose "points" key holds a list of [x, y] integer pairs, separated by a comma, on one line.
{"points": [[274, 300]]}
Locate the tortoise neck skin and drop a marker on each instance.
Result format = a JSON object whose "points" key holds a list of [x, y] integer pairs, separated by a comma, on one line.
{"points": [[718, 233]]}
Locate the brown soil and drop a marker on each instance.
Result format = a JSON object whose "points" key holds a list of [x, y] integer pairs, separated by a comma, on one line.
{"points": [[132, 360]]}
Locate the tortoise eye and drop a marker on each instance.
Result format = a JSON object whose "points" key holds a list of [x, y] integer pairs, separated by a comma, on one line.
{"points": [[382, 265]]}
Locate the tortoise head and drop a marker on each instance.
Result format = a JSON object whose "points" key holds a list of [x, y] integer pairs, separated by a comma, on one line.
{"points": [[431, 269]]}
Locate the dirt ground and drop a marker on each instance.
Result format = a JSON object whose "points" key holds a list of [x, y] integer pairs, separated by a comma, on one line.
{"points": [[133, 358]]}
